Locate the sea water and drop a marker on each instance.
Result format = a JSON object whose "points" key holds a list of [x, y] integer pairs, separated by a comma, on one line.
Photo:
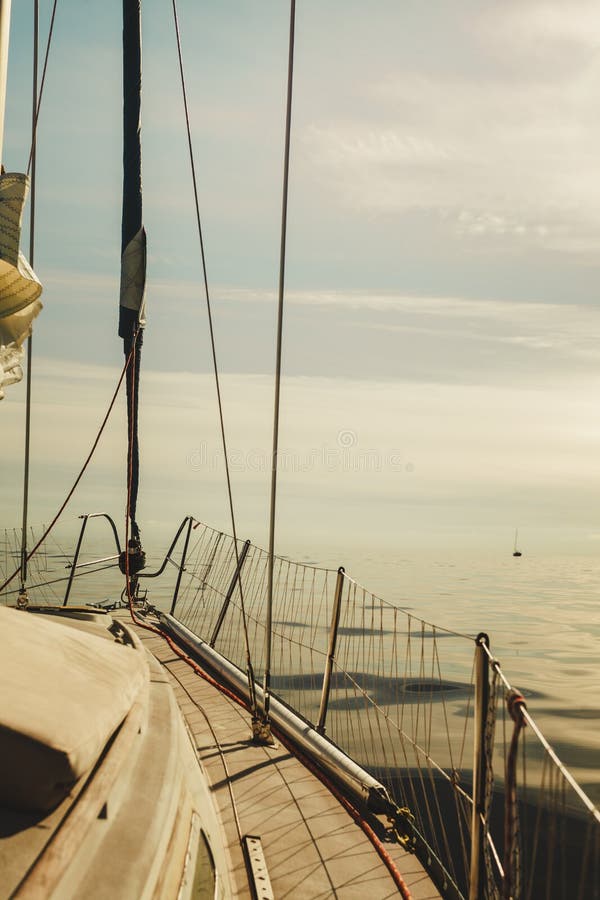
{"points": [[542, 616]]}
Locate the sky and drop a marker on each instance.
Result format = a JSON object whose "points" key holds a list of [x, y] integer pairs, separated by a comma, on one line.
{"points": [[441, 353]]}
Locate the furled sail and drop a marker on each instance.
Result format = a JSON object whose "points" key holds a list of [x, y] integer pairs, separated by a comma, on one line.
{"points": [[133, 240], [19, 288], [133, 236]]}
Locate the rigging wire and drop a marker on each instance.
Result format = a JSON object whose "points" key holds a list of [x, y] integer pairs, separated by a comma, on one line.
{"points": [[63, 578], [80, 475], [42, 83], [286, 169], [32, 162], [250, 670], [31, 168]]}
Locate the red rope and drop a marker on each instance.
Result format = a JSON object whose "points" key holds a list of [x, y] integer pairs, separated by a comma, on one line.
{"points": [[130, 464], [515, 703], [370, 833]]}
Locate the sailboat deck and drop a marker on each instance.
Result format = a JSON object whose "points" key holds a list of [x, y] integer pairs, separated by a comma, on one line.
{"points": [[312, 847]]}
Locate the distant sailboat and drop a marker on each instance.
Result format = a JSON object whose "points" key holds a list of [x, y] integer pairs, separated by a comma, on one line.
{"points": [[515, 551]]}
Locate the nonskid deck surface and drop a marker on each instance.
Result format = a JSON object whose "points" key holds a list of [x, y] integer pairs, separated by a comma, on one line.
{"points": [[312, 846]]}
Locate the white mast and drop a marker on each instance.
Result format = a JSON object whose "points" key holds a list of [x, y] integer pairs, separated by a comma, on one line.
{"points": [[4, 34]]}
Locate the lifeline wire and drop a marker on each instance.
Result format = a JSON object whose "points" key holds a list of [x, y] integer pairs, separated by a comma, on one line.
{"points": [[527, 718]]}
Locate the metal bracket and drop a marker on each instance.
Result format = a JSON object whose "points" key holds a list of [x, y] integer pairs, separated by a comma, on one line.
{"points": [[259, 874]]}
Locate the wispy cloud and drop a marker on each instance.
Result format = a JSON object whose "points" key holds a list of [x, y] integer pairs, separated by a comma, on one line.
{"points": [[576, 23], [505, 153], [451, 337]]}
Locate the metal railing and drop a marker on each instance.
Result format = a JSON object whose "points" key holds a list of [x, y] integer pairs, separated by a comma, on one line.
{"points": [[73, 566], [427, 711], [487, 803]]}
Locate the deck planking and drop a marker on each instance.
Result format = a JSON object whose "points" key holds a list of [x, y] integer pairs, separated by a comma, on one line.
{"points": [[312, 846]]}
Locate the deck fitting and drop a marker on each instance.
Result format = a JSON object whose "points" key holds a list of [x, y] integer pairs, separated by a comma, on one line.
{"points": [[259, 874]]}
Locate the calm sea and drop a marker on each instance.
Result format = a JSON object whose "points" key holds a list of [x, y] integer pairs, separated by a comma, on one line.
{"points": [[542, 616]]}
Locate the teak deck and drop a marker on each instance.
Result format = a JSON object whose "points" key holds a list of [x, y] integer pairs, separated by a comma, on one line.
{"points": [[312, 847]]}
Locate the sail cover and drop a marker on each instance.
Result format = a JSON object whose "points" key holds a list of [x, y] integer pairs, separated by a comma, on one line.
{"points": [[63, 692], [133, 236], [133, 241], [19, 288]]}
